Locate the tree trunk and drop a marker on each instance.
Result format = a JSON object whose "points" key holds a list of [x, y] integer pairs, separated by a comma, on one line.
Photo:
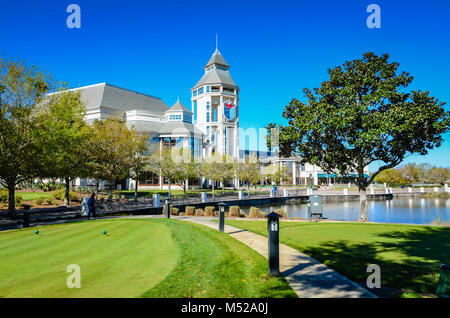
{"points": [[363, 205], [248, 189], [170, 181], [96, 189], [11, 201], [184, 188], [136, 186], [67, 192], [213, 189]]}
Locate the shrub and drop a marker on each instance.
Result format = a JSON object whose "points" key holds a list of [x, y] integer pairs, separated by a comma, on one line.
{"points": [[199, 212], [209, 211], [39, 200], [190, 210], [234, 211], [255, 213], [280, 212], [3, 196], [50, 201], [173, 210], [59, 195], [18, 199]]}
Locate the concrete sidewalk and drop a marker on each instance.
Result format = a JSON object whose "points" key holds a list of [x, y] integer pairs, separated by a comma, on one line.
{"points": [[308, 277]]}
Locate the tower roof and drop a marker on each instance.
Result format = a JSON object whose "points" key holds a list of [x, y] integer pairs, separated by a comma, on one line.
{"points": [[179, 107], [217, 58]]}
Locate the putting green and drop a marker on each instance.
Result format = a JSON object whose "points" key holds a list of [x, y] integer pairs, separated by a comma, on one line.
{"points": [[130, 259]]}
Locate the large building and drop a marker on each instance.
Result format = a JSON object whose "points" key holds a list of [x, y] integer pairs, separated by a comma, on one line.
{"points": [[211, 126]]}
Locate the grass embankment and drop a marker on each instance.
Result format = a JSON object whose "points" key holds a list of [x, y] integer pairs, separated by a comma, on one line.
{"points": [[137, 258], [409, 256]]}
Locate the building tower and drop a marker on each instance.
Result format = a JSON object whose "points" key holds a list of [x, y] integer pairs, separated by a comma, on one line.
{"points": [[215, 100]]}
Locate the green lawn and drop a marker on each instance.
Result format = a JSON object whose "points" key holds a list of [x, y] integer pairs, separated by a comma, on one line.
{"points": [[409, 256], [137, 258], [28, 196]]}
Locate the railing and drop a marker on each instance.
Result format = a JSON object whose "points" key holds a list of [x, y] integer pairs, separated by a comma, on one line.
{"points": [[114, 206]]}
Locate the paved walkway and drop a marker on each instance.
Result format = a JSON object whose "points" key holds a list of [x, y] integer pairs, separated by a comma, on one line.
{"points": [[308, 277]]}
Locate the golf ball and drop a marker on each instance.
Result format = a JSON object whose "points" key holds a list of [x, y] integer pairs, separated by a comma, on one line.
{"points": [[36, 232], [104, 232]]}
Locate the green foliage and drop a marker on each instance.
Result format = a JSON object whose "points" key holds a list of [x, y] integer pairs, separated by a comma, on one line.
{"points": [[50, 201], [249, 171], [18, 199], [50, 185], [22, 89], [60, 194], [3, 196], [363, 114], [39, 200]]}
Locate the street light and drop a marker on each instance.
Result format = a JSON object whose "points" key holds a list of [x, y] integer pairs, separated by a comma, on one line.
{"points": [[221, 216], [167, 208]]}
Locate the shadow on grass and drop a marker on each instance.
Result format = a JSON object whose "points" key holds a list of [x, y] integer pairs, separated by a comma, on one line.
{"points": [[416, 268]]}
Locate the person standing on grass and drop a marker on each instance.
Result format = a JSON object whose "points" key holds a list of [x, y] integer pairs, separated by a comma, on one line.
{"points": [[91, 206]]}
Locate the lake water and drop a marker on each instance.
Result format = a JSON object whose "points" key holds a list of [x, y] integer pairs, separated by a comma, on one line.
{"points": [[398, 210]]}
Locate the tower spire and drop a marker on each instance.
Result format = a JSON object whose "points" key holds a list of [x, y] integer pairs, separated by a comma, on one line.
{"points": [[217, 42]]}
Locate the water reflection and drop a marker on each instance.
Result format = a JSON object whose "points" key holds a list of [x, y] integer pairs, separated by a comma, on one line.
{"points": [[407, 210]]}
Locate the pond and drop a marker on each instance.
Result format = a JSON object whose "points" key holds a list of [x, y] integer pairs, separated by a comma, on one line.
{"points": [[397, 210]]}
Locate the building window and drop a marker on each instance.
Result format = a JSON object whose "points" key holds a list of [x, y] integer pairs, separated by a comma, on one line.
{"points": [[194, 93], [174, 117], [200, 90], [208, 130], [208, 117], [208, 106], [208, 88]]}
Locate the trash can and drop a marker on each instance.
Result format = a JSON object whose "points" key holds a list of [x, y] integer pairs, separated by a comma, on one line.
{"points": [[443, 289], [315, 207]]}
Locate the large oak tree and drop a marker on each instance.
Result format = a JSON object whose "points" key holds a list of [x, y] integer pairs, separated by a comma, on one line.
{"points": [[362, 114]]}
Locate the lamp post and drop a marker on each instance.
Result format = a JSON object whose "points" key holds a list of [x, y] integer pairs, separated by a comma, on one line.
{"points": [[274, 239], [26, 215], [221, 216], [167, 208]]}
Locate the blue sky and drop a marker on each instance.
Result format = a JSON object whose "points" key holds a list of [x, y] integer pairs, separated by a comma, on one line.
{"points": [[275, 48]]}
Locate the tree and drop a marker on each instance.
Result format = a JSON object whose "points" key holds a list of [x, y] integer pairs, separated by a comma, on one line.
{"points": [[361, 115], [217, 168], [280, 174], [249, 171], [22, 87], [140, 159], [112, 149], [66, 135], [186, 170], [165, 162], [390, 176]]}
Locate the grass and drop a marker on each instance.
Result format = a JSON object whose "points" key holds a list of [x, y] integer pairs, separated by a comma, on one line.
{"points": [[28, 196], [212, 264], [137, 258], [409, 256], [126, 262]]}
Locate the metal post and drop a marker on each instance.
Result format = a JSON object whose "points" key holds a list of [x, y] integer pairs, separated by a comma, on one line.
{"points": [[167, 208], [273, 235], [221, 216], [26, 215]]}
